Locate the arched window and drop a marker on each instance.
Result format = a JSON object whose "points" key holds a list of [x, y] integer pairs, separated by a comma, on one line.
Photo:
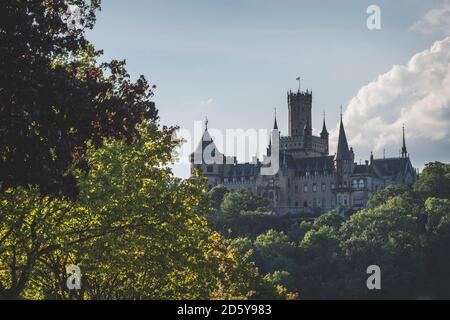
{"points": [[361, 184]]}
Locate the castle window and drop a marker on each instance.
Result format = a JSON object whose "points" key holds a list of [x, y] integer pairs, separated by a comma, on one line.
{"points": [[333, 186], [324, 186], [314, 203], [314, 188], [296, 203], [355, 184], [361, 184], [210, 168], [305, 188], [225, 180], [305, 204]]}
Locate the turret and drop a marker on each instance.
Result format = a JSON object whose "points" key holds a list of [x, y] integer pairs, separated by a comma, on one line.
{"points": [[325, 135]]}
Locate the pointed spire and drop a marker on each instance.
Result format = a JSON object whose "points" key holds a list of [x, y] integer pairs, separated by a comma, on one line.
{"points": [[324, 133], [343, 152], [206, 123], [275, 125], [404, 151]]}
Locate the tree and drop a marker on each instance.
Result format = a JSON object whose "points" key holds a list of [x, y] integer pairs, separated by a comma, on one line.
{"points": [[216, 195], [388, 236], [434, 181], [54, 96], [320, 273], [243, 200], [136, 232], [437, 262], [384, 194], [273, 252]]}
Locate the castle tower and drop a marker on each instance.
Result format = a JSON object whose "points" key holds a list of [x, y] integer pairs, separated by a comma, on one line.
{"points": [[344, 167], [325, 135], [207, 159], [299, 105]]}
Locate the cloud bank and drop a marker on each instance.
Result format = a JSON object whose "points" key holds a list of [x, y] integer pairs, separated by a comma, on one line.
{"points": [[416, 94], [437, 19]]}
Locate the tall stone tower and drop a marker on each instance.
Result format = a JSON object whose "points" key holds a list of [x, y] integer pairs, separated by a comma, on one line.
{"points": [[299, 105]]}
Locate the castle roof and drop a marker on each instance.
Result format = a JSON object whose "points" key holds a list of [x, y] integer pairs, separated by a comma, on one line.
{"points": [[343, 153], [391, 167], [206, 142]]}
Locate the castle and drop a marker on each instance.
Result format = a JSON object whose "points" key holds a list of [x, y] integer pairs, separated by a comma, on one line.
{"points": [[309, 179]]}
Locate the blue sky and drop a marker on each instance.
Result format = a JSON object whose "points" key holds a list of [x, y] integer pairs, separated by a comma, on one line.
{"points": [[233, 61]]}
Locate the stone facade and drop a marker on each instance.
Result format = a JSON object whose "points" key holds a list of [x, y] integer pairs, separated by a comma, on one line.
{"points": [[309, 180]]}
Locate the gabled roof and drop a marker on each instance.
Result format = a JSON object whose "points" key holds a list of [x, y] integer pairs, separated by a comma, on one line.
{"points": [[391, 167]]}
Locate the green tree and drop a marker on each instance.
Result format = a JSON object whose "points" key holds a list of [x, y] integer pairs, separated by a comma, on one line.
{"points": [[437, 262], [273, 252], [388, 236], [243, 200], [136, 232], [384, 194], [434, 181], [216, 194]]}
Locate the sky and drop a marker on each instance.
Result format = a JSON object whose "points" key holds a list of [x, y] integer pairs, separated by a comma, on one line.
{"points": [[233, 62]]}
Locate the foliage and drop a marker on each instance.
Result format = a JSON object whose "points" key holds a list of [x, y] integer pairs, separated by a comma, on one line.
{"points": [[405, 231], [54, 96], [216, 195], [135, 231], [383, 195], [243, 200], [434, 181]]}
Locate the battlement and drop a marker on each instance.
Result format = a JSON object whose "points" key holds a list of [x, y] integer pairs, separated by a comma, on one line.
{"points": [[299, 95]]}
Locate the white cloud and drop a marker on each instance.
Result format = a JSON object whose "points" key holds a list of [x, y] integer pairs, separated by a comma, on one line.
{"points": [[437, 19], [417, 94]]}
